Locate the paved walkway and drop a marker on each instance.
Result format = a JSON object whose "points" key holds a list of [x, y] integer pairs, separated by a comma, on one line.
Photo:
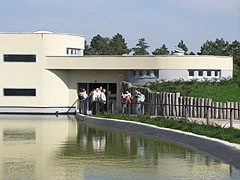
{"points": [[222, 122]]}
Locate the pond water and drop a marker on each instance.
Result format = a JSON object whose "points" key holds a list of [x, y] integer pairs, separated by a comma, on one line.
{"points": [[62, 149]]}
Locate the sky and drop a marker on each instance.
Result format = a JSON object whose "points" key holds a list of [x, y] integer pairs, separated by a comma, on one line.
{"points": [[158, 21]]}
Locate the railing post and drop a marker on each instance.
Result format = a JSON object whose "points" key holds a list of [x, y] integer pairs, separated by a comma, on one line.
{"points": [[186, 111], [208, 114], [231, 117]]}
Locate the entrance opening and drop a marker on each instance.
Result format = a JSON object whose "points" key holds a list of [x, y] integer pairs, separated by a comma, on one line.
{"points": [[111, 89]]}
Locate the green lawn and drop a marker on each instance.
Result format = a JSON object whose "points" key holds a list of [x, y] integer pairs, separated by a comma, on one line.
{"points": [[223, 91], [227, 134]]}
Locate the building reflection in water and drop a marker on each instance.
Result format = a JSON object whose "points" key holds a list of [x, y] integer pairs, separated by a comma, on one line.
{"points": [[66, 149]]}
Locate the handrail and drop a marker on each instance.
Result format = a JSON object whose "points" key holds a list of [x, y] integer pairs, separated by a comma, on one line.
{"points": [[72, 106]]}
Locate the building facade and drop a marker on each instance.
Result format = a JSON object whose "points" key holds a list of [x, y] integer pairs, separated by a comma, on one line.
{"points": [[43, 71]]}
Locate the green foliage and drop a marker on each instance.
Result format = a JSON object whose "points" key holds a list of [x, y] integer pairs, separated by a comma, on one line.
{"points": [[217, 48], [118, 45], [220, 91], [100, 45], [105, 46], [220, 47], [161, 51], [88, 50], [183, 47], [214, 131], [141, 47]]}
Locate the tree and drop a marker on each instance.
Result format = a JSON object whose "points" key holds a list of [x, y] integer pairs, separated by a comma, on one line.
{"points": [[141, 47], [118, 45], [161, 51], [88, 50], [217, 48], [100, 45], [220, 47], [192, 53], [183, 47]]}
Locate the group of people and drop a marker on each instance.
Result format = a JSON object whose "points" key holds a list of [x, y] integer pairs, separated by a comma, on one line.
{"points": [[138, 99], [98, 100]]}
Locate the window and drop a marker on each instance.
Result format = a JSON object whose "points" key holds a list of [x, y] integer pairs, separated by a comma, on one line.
{"points": [[19, 92], [148, 73], [209, 73], [156, 73], [133, 73], [140, 73], [74, 51], [191, 73], [216, 73], [19, 58], [200, 73]]}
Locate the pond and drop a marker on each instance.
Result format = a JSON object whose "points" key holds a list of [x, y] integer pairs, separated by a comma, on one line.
{"points": [[41, 148]]}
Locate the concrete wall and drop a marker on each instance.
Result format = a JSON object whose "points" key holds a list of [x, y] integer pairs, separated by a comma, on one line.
{"points": [[51, 85], [140, 62]]}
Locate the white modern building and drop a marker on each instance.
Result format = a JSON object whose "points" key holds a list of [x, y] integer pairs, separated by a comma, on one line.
{"points": [[43, 71]]}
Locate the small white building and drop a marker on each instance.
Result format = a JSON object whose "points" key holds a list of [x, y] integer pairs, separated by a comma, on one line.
{"points": [[43, 71]]}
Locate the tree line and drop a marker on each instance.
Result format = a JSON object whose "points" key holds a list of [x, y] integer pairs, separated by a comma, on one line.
{"points": [[117, 46]]}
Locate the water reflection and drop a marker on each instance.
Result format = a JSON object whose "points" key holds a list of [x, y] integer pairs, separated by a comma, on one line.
{"points": [[67, 150]]}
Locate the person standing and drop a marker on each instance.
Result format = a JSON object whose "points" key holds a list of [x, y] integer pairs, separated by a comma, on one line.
{"points": [[94, 100], [138, 102], [127, 98], [103, 101], [84, 96]]}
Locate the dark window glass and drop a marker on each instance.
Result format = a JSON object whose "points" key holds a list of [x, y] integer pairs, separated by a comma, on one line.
{"points": [[200, 73], [191, 73], [209, 73], [216, 73], [140, 73], [156, 73], [148, 73], [19, 92], [113, 88], [134, 73], [19, 58]]}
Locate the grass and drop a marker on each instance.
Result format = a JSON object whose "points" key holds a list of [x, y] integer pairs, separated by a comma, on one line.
{"points": [[223, 91], [214, 131]]}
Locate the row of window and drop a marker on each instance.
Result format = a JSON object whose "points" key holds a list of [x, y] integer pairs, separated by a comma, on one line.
{"points": [[19, 58], [19, 92], [201, 73], [74, 52], [145, 73]]}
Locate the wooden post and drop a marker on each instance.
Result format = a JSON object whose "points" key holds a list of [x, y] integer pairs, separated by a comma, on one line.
{"points": [[174, 104], [224, 110], [208, 110], [217, 110], [235, 110], [177, 103], [180, 105], [220, 110], [231, 116], [186, 107]]}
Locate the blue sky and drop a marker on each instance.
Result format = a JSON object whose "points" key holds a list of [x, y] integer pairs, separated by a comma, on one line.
{"points": [[158, 21]]}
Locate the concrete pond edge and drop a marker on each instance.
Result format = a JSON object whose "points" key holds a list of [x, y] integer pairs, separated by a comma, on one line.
{"points": [[222, 150]]}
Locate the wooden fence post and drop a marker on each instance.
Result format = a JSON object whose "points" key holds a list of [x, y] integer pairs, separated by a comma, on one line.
{"points": [[208, 110], [231, 115]]}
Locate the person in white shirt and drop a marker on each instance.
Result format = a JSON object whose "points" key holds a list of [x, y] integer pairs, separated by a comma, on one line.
{"points": [[84, 96], [99, 92], [95, 98], [103, 100]]}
